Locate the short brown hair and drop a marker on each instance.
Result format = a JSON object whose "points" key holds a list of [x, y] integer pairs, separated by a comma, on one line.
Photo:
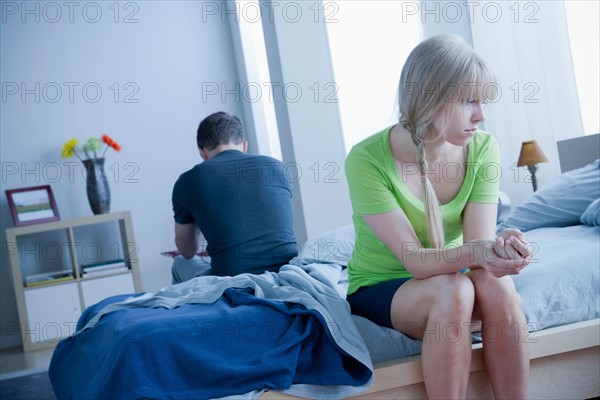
{"points": [[219, 128]]}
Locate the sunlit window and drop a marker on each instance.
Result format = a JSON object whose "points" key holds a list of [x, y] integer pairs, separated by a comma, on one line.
{"points": [[256, 91], [584, 33], [369, 41]]}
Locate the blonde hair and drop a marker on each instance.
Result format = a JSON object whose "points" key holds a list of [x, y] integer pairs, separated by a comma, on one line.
{"points": [[439, 71]]}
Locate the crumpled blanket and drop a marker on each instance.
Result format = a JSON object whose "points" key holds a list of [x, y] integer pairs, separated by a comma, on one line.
{"points": [[287, 331]]}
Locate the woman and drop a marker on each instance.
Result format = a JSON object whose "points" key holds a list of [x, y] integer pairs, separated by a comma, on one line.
{"points": [[424, 194]]}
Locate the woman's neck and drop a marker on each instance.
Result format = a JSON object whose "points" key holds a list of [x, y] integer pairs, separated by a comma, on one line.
{"points": [[405, 150]]}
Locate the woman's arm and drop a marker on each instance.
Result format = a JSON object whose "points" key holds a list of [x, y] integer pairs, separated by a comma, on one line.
{"points": [[395, 231], [479, 222]]}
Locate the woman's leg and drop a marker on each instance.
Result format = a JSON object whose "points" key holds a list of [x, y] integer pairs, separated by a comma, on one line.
{"points": [[504, 333], [438, 310]]}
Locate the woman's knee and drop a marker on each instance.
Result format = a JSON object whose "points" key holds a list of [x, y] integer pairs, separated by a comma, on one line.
{"points": [[498, 296], [455, 297]]}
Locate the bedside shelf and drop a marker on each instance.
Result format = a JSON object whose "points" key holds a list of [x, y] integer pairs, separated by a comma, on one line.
{"points": [[50, 308]]}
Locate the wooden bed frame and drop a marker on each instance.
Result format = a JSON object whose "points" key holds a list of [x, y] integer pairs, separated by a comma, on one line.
{"points": [[565, 364], [564, 361]]}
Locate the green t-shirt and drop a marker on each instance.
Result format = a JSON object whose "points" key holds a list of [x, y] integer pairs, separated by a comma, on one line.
{"points": [[376, 188]]}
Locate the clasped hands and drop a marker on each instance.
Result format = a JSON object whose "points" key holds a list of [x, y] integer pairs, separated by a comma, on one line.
{"points": [[508, 254]]}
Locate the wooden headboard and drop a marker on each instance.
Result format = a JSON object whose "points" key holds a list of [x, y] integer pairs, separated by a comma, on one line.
{"points": [[578, 152]]}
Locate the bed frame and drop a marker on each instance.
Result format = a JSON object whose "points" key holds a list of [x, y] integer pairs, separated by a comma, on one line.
{"points": [[565, 364], [564, 361]]}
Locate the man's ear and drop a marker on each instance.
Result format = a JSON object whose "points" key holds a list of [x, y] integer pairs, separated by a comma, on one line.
{"points": [[203, 153], [245, 146]]}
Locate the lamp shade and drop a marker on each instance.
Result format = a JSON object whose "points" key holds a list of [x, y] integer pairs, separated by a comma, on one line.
{"points": [[531, 154]]}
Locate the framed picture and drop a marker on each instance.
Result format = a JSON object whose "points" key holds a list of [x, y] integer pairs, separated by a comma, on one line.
{"points": [[32, 205]]}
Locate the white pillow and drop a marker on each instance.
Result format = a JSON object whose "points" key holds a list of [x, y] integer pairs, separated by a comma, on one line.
{"points": [[334, 246], [591, 215], [561, 203]]}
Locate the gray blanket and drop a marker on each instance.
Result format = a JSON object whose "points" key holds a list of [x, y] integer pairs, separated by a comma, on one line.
{"points": [[311, 285]]}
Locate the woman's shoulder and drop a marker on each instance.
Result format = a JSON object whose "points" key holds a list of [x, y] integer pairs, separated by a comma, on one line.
{"points": [[483, 142], [372, 145], [484, 137]]}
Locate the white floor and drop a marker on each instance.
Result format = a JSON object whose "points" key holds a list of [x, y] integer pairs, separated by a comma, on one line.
{"points": [[14, 362]]}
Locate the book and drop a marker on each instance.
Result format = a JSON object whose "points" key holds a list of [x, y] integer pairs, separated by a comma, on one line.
{"points": [[49, 281], [175, 253], [104, 267], [48, 277], [111, 271]]}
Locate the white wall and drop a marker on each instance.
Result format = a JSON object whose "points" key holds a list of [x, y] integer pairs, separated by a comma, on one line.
{"points": [[537, 96], [167, 52], [308, 119]]}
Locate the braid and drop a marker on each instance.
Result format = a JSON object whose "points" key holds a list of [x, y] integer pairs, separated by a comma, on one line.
{"points": [[433, 214], [408, 125], [421, 158]]}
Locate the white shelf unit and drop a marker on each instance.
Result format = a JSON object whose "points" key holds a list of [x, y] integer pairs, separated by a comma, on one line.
{"points": [[49, 310]]}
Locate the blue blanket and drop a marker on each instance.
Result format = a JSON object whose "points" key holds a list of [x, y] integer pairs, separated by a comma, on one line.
{"points": [[214, 337]]}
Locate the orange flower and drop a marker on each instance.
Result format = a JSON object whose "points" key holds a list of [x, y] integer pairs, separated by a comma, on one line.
{"points": [[108, 140]]}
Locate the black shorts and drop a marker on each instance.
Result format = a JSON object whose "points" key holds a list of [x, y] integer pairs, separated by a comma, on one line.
{"points": [[375, 302]]}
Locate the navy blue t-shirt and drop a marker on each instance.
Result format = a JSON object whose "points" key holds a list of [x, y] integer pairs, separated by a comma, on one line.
{"points": [[243, 206]]}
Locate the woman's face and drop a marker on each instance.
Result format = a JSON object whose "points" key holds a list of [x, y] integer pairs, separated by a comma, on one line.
{"points": [[461, 119]]}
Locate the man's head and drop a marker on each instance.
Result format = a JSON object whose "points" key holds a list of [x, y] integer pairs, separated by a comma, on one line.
{"points": [[220, 131]]}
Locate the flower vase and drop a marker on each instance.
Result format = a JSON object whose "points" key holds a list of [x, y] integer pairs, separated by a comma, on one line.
{"points": [[98, 191]]}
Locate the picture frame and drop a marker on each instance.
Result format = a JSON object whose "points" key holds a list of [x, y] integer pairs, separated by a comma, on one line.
{"points": [[32, 205]]}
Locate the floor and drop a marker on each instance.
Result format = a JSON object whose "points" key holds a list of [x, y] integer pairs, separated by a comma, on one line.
{"points": [[14, 362]]}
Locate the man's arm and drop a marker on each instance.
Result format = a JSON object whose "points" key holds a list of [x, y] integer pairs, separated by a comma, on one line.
{"points": [[186, 239]]}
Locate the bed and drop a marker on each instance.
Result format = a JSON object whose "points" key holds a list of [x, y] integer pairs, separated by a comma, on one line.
{"points": [[291, 334]]}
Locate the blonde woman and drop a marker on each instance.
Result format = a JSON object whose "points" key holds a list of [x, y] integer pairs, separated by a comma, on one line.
{"points": [[424, 194]]}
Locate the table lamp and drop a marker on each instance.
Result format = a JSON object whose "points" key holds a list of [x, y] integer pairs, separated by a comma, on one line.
{"points": [[531, 155]]}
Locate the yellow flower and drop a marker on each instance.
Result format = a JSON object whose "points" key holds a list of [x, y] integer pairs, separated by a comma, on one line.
{"points": [[69, 148]]}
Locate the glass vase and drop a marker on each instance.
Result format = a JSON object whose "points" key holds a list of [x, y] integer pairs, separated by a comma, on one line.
{"points": [[98, 191]]}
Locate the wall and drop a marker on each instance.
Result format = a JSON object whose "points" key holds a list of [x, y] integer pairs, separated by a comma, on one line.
{"points": [[308, 118], [537, 92], [158, 57]]}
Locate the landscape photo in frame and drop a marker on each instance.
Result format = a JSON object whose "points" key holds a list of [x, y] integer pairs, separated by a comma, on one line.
{"points": [[32, 205]]}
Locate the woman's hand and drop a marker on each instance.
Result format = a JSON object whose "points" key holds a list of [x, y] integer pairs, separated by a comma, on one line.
{"points": [[512, 244], [486, 256]]}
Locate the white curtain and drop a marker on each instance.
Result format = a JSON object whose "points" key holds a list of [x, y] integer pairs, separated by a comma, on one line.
{"points": [[527, 45]]}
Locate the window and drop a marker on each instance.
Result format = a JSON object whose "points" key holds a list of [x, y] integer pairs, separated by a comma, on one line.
{"points": [[582, 21], [369, 41]]}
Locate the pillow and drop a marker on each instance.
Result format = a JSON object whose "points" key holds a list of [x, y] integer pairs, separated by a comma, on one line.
{"points": [[561, 203], [503, 207], [591, 215], [335, 246]]}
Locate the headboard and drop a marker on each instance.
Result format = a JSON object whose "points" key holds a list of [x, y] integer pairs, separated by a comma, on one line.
{"points": [[578, 152]]}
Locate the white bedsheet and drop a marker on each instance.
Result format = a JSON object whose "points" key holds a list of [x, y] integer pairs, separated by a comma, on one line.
{"points": [[560, 286], [562, 283]]}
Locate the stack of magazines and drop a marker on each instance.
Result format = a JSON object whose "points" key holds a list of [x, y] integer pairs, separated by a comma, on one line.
{"points": [[48, 277], [103, 268]]}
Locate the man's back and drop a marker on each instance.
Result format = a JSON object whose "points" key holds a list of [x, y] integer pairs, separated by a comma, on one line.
{"points": [[243, 206]]}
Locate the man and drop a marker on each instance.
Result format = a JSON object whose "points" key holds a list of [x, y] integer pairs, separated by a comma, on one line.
{"points": [[240, 203]]}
